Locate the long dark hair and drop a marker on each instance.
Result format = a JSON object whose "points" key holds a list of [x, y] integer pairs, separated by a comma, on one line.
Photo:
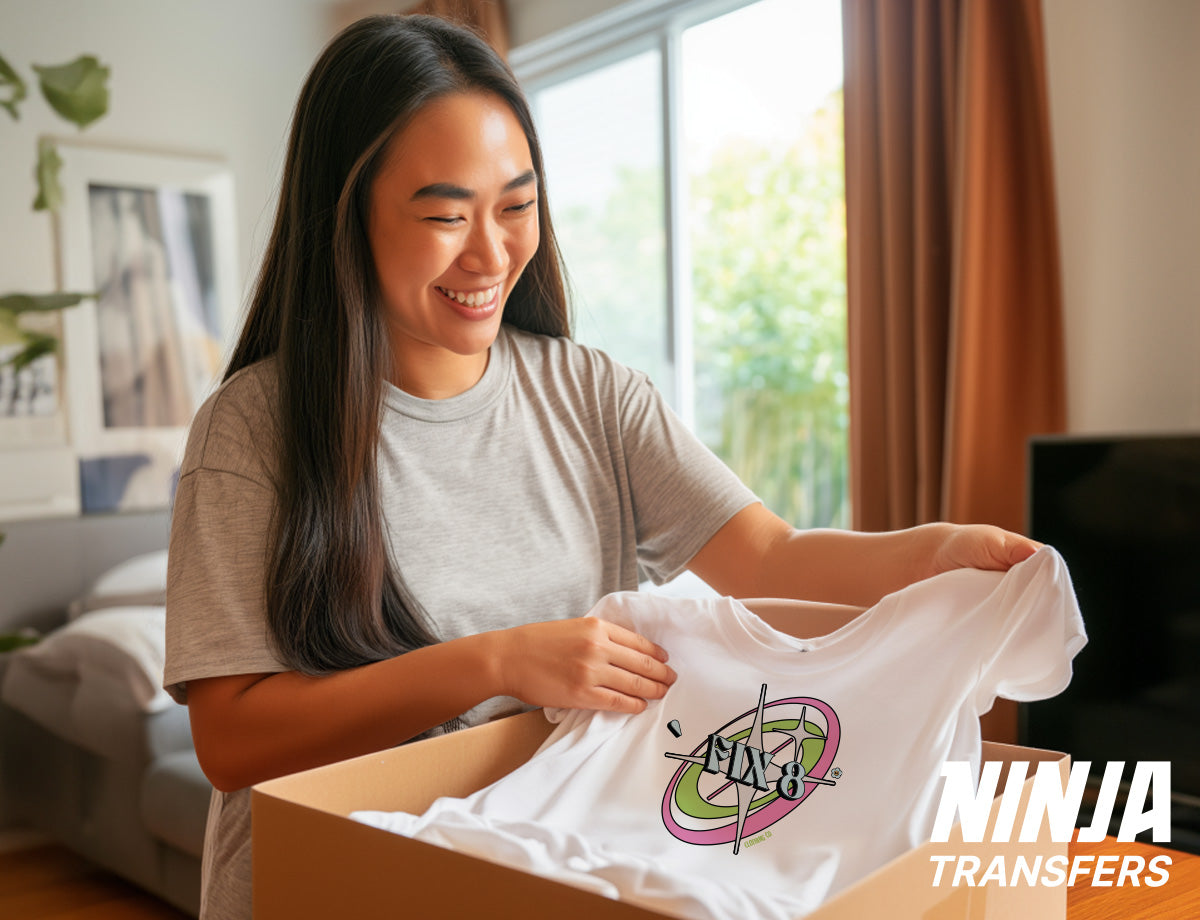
{"points": [[333, 598]]}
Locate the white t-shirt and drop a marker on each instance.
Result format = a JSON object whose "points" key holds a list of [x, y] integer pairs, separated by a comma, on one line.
{"points": [[608, 802]]}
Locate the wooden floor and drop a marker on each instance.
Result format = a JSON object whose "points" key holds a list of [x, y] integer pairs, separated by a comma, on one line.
{"points": [[49, 882]]}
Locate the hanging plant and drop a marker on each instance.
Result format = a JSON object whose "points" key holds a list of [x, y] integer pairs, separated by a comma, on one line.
{"points": [[78, 92], [33, 344]]}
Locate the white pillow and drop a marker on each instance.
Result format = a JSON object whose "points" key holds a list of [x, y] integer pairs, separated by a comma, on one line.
{"points": [[137, 582], [116, 655]]}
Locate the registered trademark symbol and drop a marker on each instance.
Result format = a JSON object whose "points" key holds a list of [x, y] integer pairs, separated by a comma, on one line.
{"points": [[836, 772]]}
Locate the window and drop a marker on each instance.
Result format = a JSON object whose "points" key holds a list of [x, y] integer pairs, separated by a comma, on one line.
{"points": [[695, 173]]}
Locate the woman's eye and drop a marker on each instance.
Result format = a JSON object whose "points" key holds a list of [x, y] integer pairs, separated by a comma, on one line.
{"points": [[444, 220], [520, 208]]}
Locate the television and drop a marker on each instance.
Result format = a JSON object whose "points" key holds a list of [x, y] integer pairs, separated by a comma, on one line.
{"points": [[1124, 512]]}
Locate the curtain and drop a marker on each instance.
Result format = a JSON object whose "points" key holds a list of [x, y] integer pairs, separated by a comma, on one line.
{"points": [[488, 17], [954, 299]]}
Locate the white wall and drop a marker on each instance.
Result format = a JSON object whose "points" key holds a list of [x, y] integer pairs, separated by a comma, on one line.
{"points": [[1124, 88]]}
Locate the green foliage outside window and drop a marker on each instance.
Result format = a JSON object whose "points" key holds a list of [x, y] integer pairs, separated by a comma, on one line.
{"points": [[769, 302], [617, 272], [768, 253]]}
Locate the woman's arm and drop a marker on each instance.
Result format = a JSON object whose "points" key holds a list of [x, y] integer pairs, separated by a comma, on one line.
{"points": [[252, 727], [756, 554]]}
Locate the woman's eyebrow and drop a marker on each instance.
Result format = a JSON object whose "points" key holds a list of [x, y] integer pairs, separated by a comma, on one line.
{"points": [[458, 193]]}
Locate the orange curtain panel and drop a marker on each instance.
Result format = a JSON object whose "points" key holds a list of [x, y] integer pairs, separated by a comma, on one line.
{"points": [[954, 298]]}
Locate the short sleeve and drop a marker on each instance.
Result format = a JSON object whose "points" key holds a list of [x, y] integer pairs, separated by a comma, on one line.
{"points": [[682, 492], [217, 559], [1039, 630]]}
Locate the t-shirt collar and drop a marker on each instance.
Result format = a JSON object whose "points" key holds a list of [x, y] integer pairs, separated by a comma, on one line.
{"points": [[478, 397]]}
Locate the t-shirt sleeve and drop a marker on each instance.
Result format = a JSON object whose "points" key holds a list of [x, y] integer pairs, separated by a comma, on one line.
{"points": [[217, 560], [682, 492], [1038, 631]]}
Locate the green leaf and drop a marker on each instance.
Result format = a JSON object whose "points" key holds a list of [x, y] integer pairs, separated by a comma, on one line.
{"points": [[12, 641], [24, 303], [50, 193], [16, 86], [77, 91], [10, 333], [37, 344], [33, 344]]}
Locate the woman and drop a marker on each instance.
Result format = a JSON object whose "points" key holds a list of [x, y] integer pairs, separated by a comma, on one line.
{"points": [[411, 485]]}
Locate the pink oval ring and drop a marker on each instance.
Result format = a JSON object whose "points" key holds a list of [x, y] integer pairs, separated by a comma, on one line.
{"points": [[768, 814]]}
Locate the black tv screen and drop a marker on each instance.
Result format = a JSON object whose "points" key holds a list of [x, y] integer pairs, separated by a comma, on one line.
{"points": [[1124, 512]]}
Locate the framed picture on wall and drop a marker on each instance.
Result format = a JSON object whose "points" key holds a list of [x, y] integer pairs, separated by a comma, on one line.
{"points": [[37, 475], [153, 235]]}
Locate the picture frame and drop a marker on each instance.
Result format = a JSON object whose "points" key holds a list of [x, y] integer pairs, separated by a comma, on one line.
{"points": [[30, 403], [153, 236]]}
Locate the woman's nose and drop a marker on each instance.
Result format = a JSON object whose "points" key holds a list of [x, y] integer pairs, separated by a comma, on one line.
{"points": [[485, 252]]}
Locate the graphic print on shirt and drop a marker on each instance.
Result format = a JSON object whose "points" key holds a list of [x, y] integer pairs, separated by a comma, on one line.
{"points": [[747, 775]]}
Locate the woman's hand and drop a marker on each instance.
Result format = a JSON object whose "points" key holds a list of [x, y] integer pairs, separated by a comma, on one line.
{"points": [[980, 546], [251, 727], [581, 663]]}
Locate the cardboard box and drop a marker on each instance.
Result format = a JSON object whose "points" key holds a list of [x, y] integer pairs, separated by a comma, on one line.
{"points": [[311, 860]]}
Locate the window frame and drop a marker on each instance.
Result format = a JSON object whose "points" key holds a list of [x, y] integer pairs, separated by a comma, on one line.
{"points": [[606, 39]]}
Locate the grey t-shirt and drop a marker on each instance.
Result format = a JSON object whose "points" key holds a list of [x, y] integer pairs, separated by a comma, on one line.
{"points": [[547, 485]]}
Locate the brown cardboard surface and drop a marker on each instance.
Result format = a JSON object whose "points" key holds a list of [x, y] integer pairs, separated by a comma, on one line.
{"points": [[312, 861], [314, 864], [456, 764]]}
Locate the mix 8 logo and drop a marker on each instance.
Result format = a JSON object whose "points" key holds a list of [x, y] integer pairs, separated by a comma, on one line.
{"points": [[752, 771]]}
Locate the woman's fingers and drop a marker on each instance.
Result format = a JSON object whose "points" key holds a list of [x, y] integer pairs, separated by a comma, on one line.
{"points": [[638, 666], [584, 663], [982, 546], [635, 641]]}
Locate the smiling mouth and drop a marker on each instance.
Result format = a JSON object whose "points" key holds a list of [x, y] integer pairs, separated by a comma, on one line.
{"points": [[472, 298]]}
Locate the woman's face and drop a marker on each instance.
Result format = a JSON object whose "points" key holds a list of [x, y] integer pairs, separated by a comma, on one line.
{"points": [[453, 223]]}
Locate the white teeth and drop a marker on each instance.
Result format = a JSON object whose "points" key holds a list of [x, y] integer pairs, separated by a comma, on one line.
{"points": [[475, 299]]}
